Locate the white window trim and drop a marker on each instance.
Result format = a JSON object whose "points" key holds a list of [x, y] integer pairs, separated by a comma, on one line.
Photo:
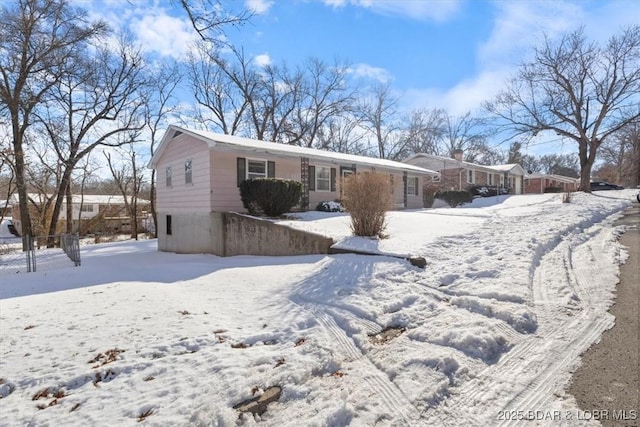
{"points": [[86, 208], [412, 184], [318, 167], [266, 168], [168, 174], [490, 179], [471, 174], [188, 172]]}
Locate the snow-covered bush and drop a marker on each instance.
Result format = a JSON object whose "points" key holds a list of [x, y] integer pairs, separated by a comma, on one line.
{"points": [[330, 206], [455, 198]]}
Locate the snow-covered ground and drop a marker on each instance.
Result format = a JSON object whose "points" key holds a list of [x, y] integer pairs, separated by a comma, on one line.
{"points": [[515, 289]]}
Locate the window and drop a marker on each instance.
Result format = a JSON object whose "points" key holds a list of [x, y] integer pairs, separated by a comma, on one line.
{"points": [[169, 226], [168, 176], [470, 176], [391, 182], [256, 169], [490, 179], [188, 172], [323, 178], [86, 208], [412, 185]]}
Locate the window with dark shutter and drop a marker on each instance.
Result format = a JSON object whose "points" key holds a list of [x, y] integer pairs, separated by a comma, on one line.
{"points": [[169, 226], [271, 169], [241, 169], [333, 179], [312, 178]]}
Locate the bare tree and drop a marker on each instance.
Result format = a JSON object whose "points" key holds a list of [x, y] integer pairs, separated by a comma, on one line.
{"points": [[209, 18], [325, 95], [467, 133], [221, 101], [342, 134], [425, 131], [39, 40], [97, 105], [160, 106], [128, 176], [380, 119], [622, 152], [577, 89], [560, 164]]}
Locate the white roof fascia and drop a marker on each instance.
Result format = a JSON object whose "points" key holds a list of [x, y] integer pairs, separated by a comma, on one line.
{"points": [[217, 141]]}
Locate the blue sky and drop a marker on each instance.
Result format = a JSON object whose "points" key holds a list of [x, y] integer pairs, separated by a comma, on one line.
{"points": [[445, 54]]}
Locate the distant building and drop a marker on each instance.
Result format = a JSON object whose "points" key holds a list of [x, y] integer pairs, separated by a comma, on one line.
{"points": [[456, 174], [91, 213]]}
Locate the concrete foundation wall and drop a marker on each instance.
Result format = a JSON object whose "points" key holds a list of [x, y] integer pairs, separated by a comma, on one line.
{"points": [[191, 233], [251, 236], [229, 234]]}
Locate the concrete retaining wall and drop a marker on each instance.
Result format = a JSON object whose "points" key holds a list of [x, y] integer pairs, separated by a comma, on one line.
{"points": [[228, 234]]}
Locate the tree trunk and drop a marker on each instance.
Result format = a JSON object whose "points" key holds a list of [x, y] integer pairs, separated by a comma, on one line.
{"points": [[25, 218], [62, 191]]}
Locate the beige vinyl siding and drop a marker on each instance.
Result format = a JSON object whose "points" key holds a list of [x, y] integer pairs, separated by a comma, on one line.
{"points": [[225, 195], [181, 197]]}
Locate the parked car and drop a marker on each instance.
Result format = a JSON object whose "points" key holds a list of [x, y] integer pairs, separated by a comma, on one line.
{"points": [[601, 185]]}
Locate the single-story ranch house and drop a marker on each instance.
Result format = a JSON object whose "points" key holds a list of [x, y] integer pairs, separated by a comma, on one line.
{"points": [[199, 173], [456, 174], [535, 183]]}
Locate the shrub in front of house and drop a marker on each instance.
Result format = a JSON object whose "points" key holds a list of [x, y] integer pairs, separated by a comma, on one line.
{"points": [[367, 198], [269, 196], [554, 190], [330, 206], [455, 198], [429, 195]]}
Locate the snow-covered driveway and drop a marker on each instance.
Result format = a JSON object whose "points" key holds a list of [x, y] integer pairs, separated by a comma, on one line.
{"points": [[512, 294]]}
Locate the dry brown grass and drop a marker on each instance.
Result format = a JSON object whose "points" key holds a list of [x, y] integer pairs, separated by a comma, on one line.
{"points": [[367, 198]]}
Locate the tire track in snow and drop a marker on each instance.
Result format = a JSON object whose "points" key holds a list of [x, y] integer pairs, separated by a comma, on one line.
{"points": [[541, 359], [399, 407]]}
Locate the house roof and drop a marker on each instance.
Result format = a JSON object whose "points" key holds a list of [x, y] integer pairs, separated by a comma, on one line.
{"points": [[449, 163], [513, 168], [87, 199], [222, 141], [560, 178]]}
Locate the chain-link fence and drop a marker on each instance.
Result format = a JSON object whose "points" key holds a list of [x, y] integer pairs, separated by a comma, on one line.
{"points": [[47, 252]]}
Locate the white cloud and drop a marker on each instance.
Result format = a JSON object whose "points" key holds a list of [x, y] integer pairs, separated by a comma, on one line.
{"points": [[415, 9], [164, 34], [259, 6], [519, 26], [262, 60], [370, 72], [467, 95]]}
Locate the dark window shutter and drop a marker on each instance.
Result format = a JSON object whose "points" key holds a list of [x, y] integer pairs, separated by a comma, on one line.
{"points": [[312, 178], [271, 169], [416, 187], [333, 179], [241, 169]]}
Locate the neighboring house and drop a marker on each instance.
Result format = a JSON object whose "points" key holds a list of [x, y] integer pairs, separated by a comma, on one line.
{"points": [[200, 172], [536, 183], [456, 174], [90, 213], [5, 208]]}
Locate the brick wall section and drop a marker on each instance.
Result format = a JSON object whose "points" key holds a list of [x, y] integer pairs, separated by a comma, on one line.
{"points": [[450, 179]]}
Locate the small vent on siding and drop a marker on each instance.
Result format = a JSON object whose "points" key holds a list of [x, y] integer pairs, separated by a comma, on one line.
{"points": [[176, 133]]}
